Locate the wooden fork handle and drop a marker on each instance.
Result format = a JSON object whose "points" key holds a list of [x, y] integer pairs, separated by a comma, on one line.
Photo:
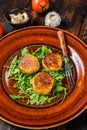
{"points": [[62, 43]]}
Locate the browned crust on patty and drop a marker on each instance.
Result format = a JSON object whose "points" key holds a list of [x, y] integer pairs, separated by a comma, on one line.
{"points": [[29, 64], [43, 83], [52, 61]]}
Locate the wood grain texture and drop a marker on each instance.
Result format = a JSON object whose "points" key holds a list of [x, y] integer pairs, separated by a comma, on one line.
{"points": [[83, 31], [72, 13], [6, 5], [74, 19]]}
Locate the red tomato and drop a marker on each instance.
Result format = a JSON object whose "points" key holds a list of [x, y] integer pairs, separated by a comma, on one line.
{"points": [[40, 6], [1, 30]]}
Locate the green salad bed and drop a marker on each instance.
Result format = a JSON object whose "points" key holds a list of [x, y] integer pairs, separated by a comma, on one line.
{"points": [[23, 82]]}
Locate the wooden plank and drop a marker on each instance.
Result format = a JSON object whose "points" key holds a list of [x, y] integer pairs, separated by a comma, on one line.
{"points": [[74, 19], [83, 31], [38, 19], [7, 5], [4, 126], [71, 11], [58, 128]]}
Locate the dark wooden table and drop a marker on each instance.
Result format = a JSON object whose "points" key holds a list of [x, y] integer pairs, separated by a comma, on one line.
{"points": [[74, 20]]}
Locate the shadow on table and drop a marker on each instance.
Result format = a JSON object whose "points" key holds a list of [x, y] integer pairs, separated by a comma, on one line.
{"points": [[79, 123]]}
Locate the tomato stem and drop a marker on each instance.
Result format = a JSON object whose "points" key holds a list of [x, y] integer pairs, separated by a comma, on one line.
{"points": [[43, 8]]}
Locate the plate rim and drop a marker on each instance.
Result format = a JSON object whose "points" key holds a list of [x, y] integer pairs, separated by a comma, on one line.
{"points": [[83, 108]]}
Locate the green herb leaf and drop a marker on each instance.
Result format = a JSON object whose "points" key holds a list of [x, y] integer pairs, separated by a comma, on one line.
{"points": [[15, 97], [24, 82], [13, 69], [24, 52]]}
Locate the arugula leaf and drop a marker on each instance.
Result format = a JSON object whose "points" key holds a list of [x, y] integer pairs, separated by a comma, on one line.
{"points": [[13, 69], [15, 97], [42, 99], [41, 52], [58, 75], [24, 52], [24, 82]]}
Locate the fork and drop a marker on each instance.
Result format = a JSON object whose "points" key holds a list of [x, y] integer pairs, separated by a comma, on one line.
{"points": [[68, 70]]}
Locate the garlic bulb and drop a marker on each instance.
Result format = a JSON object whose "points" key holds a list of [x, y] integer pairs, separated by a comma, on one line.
{"points": [[52, 19]]}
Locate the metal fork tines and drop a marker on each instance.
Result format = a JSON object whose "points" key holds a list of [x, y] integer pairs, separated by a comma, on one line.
{"points": [[68, 70], [69, 74]]}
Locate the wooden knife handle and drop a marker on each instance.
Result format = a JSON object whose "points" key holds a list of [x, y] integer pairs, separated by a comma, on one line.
{"points": [[62, 42]]}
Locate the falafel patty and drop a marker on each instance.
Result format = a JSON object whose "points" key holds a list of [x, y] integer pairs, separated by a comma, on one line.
{"points": [[43, 83], [29, 64], [52, 61]]}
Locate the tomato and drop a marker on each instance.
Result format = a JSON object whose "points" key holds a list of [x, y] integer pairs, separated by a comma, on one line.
{"points": [[1, 30], [40, 6]]}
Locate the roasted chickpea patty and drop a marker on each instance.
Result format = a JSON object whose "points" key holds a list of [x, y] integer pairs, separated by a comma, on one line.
{"points": [[43, 83], [29, 64], [52, 61]]}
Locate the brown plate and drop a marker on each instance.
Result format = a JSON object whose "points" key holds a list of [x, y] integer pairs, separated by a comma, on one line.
{"points": [[10, 90], [29, 117]]}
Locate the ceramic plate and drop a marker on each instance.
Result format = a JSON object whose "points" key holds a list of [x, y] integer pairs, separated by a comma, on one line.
{"points": [[52, 115]]}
